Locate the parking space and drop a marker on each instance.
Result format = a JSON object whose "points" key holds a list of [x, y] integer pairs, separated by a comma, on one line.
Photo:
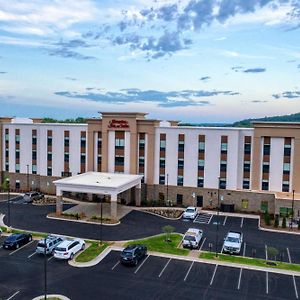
{"points": [[253, 282], [281, 286], [294, 254], [217, 219], [233, 223], [249, 223]]}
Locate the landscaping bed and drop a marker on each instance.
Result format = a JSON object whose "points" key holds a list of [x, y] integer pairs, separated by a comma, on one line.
{"points": [[250, 261], [159, 244], [171, 213], [91, 252], [45, 201]]}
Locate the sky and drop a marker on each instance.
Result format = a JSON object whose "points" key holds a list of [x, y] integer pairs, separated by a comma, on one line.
{"points": [[191, 60]]}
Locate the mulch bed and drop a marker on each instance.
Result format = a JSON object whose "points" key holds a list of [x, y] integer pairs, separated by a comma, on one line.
{"points": [[167, 212]]}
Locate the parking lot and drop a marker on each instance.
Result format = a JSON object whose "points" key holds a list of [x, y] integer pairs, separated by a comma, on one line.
{"points": [[22, 277]]}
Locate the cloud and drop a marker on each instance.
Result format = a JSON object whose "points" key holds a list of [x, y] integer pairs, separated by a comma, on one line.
{"points": [[287, 94], [76, 43], [2, 72], [67, 53], [255, 70], [205, 78], [71, 78], [259, 101], [160, 98]]}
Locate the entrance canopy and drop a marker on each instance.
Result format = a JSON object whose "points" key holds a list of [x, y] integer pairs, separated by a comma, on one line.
{"points": [[98, 183]]}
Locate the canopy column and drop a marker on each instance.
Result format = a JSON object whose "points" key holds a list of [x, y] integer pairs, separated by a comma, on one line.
{"points": [[114, 206], [137, 191]]}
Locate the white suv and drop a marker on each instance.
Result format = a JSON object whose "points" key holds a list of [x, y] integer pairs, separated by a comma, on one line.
{"points": [[190, 213], [192, 238], [68, 248]]}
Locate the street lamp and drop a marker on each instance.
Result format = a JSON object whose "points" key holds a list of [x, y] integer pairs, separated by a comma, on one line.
{"points": [[27, 177], [293, 200], [101, 219], [167, 188], [8, 201], [45, 269], [218, 209]]}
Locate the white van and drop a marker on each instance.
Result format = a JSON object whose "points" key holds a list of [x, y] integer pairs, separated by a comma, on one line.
{"points": [[192, 238]]}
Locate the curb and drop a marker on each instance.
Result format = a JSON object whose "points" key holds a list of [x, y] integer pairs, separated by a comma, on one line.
{"points": [[82, 221], [157, 215]]}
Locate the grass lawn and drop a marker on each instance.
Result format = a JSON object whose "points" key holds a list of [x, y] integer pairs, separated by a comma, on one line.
{"points": [[158, 244], [91, 252], [249, 261]]}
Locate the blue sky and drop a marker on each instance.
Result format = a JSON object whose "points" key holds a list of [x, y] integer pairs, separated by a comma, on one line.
{"points": [[189, 60]]}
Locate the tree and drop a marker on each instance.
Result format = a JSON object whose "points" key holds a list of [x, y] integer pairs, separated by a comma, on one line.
{"points": [[267, 218], [5, 184], [276, 222], [168, 229], [283, 225], [272, 252]]}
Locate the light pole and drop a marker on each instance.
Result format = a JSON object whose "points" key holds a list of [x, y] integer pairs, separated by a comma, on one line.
{"points": [[101, 219], [45, 269], [27, 177], [194, 197], [293, 200], [8, 201], [167, 188], [218, 209]]}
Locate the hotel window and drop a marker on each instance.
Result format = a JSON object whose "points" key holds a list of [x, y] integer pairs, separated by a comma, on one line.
{"points": [[6, 167], [6, 153], [247, 148], [161, 179], [200, 182], [180, 180], [141, 161], [142, 143], [224, 147], [67, 141], [285, 186], [99, 150], [200, 164], [49, 171], [82, 152], [17, 138], [179, 199], [49, 139], [246, 183], [18, 185], [162, 162], [34, 169], [99, 159], [162, 145], [265, 185], [181, 145], [267, 149], [119, 160], [180, 163], [245, 203], [34, 138], [49, 156], [201, 146], [66, 157], [286, 168], [17, 168], [6, 134], [6, 149], [34, 156], [266, 167], [83, 142], [247, 166], [120, 143], [287, 149], [222, 183], [223, 166], [17, 154], [82, 158]]}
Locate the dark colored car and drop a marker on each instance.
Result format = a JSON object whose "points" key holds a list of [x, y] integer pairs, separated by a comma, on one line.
{"points": [[132, 254], [17, 240]]}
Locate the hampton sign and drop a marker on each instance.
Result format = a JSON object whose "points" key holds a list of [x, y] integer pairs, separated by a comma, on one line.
{"points": [[118, 124]]}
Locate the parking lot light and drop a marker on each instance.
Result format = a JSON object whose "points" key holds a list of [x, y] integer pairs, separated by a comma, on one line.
{"points": [[218, 209], [45, 268], [8, 201]]}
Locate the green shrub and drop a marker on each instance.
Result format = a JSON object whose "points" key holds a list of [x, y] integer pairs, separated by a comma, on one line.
{"points": [[267, 218], [276, 222], [283, 222]]}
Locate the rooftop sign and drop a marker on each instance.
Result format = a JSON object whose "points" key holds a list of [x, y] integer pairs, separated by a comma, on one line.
{"points": [[118, 124]]}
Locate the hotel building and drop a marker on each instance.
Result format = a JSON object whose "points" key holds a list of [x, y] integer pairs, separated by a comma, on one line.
{"points": [[253, 168]]}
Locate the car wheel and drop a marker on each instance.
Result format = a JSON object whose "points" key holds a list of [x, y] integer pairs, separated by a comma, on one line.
{"points": [[72, 256], [83, 246], [30, 239], [136, 262], [17, 246]]}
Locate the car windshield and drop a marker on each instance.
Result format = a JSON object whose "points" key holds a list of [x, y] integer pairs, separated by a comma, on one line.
{"points": [[232, 239], [190, 210], [189, 238], [127, 253], [60, 249], [12, 238], [41, 244]]}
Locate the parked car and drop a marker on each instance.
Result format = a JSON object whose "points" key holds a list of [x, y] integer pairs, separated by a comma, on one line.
{"points": [[16, 240], [233, 242], [68, 248], [50, 242], [190, 213], [132, 254], [30, 196], [192, 238]]}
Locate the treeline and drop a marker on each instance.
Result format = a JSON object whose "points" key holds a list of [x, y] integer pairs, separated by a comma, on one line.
{"points": [[77, 120]]}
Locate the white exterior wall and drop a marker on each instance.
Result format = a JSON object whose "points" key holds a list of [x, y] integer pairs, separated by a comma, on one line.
{"points": [[57, 147], [235, 154], [276, 164], [111, 151]]}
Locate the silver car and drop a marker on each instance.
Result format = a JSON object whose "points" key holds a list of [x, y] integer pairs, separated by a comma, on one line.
{"points": [[51, 243]]}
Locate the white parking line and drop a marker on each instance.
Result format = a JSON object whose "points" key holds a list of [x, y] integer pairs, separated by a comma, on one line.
{"points": [[11, 253], [141, 264], [295, 286], [267, 283], [244, 250], [239, 283], [222, 248], [164, 267], [225, 221], [289, 255], [242, 222], [202, 244], [213, 276], [210, 219], [50, 258], [31, 255], [266, 250], [188, 272], [15, 294], [115, 265]]}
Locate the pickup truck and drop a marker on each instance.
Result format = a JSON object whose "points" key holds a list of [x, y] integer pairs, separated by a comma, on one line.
{"points": [[192, 238], [233, 242]]}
